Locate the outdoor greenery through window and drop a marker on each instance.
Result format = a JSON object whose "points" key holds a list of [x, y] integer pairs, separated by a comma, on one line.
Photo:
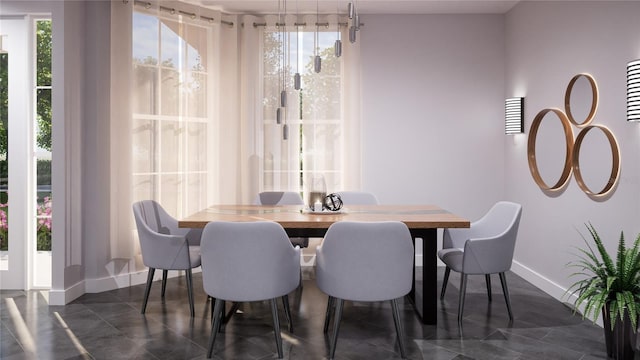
{"points": [[43, 134], [4, 170]]}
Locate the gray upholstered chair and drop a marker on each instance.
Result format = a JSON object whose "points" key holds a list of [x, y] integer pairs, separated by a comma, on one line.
{"points": [[349, 198], [165, 246], [357, 198], [483, 249], [283, 198], [365, 261], [248, 261]]}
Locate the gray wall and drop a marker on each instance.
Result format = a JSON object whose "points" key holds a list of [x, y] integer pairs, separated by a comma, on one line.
{"points": [[433, 110], [547, 44]]}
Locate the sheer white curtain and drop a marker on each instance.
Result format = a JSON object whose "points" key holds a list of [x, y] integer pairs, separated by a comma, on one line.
{"points": [[176, 114], [176, 129], [121, 224], [175, 110], [193, 110]]}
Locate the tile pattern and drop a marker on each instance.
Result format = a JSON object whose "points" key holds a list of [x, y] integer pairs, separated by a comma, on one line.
{"points": [[109, 326]]}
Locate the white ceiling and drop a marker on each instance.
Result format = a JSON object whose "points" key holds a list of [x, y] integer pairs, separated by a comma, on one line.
{"points": [[363, 6]]}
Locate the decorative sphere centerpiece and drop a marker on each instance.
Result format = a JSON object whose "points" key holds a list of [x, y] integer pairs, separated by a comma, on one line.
{"points": [[333, 202]]}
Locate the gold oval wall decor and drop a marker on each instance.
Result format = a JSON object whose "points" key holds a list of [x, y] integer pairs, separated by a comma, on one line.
{"points": [[615, 166], [531, 150], [594, 100]]}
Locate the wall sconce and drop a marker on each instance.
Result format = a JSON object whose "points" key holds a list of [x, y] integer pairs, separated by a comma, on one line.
{"points": [[514, 115], [633, 91]]}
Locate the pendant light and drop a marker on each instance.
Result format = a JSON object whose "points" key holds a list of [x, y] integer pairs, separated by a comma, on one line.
{"points": [[279, 110], [355, 21], [317, 61], [285, 71], [283, 44], [338, 45], [296, 77]]}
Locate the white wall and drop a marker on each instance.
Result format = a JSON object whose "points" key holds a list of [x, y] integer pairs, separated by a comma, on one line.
{"points": [[433, 110], [547, 43]]}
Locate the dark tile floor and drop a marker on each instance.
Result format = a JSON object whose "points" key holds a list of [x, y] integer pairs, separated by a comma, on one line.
{"points": [[109, 326]]}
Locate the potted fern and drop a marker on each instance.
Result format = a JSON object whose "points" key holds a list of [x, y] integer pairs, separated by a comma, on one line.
{"points": [[610, 285]]}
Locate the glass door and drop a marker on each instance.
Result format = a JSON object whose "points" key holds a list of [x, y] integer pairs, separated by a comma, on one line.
{"points": [[14, 110], [25, 153]]}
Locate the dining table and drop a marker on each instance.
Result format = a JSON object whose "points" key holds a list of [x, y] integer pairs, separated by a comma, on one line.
{"points": [[423, 222]]}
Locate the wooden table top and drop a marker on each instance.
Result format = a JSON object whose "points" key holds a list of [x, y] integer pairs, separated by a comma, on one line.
{"points": [[294, 217]]}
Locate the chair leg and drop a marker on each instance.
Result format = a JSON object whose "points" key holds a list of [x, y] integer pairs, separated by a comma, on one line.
{"points": [[505, 290], [189, 276], [327, 316], [300, 282], [287, 312], [463, 290], [224, 318], [488, 278], [234, 308], [215, 325], [276, 326], [164, 282], [147, 289], [399, 330], [213, 301], [336, 328], [445, 280]]}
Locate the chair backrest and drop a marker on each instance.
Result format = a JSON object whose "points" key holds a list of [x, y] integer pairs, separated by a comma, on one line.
{"points": [[159, 220], [248, 261], [502, 216], [357, 198], [365, 261], [279, 198], [493, 239], [156, 218], [160, 249]]}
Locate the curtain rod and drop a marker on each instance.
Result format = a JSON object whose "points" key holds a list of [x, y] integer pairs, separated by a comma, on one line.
{"points": [[325, 24], [172, 11]]}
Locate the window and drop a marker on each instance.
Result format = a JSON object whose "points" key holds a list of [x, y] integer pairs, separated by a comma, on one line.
{"points": [[170, 112]]}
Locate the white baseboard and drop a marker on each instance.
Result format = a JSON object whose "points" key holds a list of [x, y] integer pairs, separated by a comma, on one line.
{"points": [[125, 280], [548, 286], [63, 297], [554, 290]]}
